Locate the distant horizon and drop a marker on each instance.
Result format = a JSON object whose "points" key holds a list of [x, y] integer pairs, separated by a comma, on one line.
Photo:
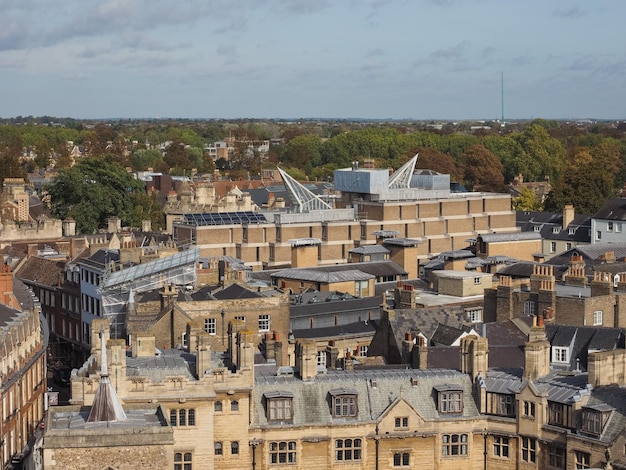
{"points": [[293, 119], [420, 60]]}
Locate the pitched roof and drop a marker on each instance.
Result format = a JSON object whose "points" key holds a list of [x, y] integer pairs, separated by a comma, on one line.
{"points": [[42, 271], [377, 390], [613, 209]]}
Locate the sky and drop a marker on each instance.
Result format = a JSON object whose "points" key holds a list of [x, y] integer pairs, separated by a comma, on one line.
{"points": [[289, 59]]}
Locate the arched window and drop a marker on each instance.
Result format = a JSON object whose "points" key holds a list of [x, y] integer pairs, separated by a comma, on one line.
{"points": [[234, 448], [219, 449], [234, 405]]}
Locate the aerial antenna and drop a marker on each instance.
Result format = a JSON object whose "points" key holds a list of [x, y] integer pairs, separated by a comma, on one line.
{"points": [[502, 96]]}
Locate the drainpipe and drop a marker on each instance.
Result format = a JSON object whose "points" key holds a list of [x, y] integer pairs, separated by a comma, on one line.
{"points": [[376, 440], [253, 444], [485, 450]]}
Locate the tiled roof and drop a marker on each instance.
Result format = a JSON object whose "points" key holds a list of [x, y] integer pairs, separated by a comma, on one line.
{"points": [[42, 271]]}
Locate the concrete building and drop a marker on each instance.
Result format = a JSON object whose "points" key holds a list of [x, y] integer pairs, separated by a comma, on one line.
{"points": [[419, 207]]}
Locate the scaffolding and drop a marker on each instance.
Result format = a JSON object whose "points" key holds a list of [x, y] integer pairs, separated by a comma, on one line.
{"points": [[118, 288]]}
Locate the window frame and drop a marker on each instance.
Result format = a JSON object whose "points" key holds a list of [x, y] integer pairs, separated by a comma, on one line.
{"points": [[501, 447], [556, 457], [348, 450], [265, 322], [557, 413], [402, 459], [530, 410], [234, 448], [218, 448], [210, 326], [474, 315], [183, 460], [528, 449], [560, 354], [592, 422], [283, 452], [582, 459], [450, 401], [345, 405], [597, 318], [454, 445], [530, 308], [279, 409]]}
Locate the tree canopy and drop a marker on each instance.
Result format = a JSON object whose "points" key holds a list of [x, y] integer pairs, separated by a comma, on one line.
{"points": [[93, 190]]}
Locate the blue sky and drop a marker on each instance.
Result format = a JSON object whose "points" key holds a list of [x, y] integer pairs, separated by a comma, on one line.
{"points": [[399, 59]]}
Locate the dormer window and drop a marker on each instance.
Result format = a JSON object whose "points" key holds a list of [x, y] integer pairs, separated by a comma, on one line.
{"points": [[537, 228], [571, 231], [556, 229], [560, 354], [279, 406], [594, 418], [449, 398], [344, 403]]}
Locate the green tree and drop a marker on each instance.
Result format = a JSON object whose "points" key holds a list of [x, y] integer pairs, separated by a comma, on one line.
{"points": [[143, 159], [584, 184], [91, 191], [146, 206], [10, 155], [301, 150]]}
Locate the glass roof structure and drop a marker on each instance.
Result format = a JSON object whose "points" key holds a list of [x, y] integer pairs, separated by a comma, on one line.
{"points": [[224, 218], [161, 267]]}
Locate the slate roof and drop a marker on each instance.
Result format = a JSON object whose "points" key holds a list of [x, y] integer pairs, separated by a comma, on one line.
{"points": [[325, 306], [446, 334], [613, 209], [169, 362], [315, 275], [235, 291], [509, 237], [377, 390], [550, 226], [582, 339], [369, 250], [615, 397], [350, 329]]}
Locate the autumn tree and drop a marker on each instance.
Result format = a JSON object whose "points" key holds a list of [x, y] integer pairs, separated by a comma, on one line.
{"points": [[432, 159], [526, 201], [483, 170]]}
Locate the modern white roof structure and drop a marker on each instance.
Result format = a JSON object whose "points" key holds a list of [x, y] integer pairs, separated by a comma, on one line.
{"points": [[303, 200], [401, 179]]}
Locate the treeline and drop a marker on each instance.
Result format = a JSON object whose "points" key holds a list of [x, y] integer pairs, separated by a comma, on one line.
{"points": [[585, 164]]}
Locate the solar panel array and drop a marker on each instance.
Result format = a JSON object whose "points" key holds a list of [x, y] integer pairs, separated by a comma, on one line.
{"points": [[225, 218]]}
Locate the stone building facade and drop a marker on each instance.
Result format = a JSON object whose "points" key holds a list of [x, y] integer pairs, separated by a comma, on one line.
{"points": [[22, 369], [226, 413]]}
